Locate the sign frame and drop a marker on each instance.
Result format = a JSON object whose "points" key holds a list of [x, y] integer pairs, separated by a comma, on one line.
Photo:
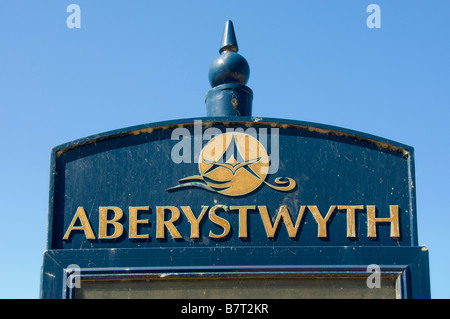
{"points": [[409, 263]]}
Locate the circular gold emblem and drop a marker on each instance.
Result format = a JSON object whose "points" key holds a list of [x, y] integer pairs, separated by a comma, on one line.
{"points": [[234, 164]]}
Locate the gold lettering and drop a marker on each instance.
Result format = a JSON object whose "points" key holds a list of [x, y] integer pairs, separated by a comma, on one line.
{"points": [[85, 226], [80, 221], [134, 221], [283, 213], [195, 222], [219, 221], [103, 222], [243, 229], [161, 224], [372, 221], [321, 221], [351, 219]]}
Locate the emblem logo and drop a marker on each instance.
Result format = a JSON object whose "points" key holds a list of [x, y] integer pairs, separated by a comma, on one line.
{"points": [[233, 164]]}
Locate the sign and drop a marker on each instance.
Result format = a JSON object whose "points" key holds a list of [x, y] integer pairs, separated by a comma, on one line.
{"points": [[260, 182], [246, 196]]}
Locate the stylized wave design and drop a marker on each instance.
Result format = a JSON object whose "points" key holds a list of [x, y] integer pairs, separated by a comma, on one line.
{"points": [[201, 184], [223, 185], [290, 184]]}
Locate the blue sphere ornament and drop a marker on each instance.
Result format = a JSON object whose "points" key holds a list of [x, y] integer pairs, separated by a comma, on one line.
{"points": [[229, 67]]}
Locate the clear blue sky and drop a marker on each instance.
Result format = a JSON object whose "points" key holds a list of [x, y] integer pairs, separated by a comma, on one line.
{"points": [[136, 62]]}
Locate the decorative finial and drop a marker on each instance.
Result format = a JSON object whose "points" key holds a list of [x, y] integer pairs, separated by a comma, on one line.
{"points": [[230, 66], [229, 42], [228, 76]]}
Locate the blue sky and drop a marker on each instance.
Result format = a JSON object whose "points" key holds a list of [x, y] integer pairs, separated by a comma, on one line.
{"points": [[137, 62]]}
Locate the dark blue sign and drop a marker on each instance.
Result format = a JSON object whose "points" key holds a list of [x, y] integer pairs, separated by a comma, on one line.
{"points": [[232, 183], [238, 196]]}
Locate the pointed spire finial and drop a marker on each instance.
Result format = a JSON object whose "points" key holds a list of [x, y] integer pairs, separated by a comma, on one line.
{"points": [[228, 76], [229, 42], [230, 66]]}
